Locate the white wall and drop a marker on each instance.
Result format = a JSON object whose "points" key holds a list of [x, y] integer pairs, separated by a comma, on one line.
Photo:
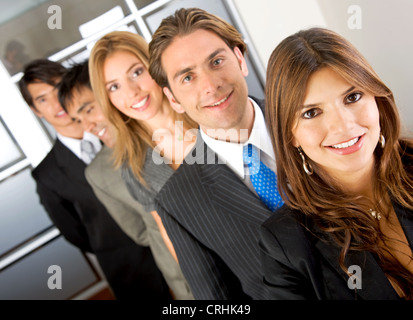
{"points": [[385, 37]]}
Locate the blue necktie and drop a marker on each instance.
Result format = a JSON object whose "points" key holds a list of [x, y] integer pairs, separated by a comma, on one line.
{"points": [[263, 179]]}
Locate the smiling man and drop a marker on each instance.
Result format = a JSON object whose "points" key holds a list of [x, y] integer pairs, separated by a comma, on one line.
{"points": [[78, 100], [213, 212]]}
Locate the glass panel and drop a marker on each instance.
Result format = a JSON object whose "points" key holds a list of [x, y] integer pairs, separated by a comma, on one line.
{"points": [[212, 6], [142, 3], [28, 278], [45, 28], [22, 215], [83, 54], [216, 7], [10, 152]]}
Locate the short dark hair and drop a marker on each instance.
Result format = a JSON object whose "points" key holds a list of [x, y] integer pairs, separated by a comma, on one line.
{"points": [[38, 71], [76, 78]]}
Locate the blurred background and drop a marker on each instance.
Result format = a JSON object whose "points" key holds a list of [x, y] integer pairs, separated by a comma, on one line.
{"points": [[65, 31]]}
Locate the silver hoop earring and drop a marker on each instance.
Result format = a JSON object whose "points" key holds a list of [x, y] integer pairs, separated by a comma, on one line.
{"points": [[382, 141], [307, 167]]}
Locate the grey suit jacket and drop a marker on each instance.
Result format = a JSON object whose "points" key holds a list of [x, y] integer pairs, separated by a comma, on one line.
{"points": [[136, 222], [213, 220]]}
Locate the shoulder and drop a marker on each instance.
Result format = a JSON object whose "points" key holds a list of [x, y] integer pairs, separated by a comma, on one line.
{"points": [[47, 165], [102, 161], [100, 165], [155, 171], [288, 229], [285, 217], [182, 181]]}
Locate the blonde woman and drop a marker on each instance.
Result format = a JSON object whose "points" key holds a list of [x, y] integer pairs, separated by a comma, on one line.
{"points": [[152, 139]]}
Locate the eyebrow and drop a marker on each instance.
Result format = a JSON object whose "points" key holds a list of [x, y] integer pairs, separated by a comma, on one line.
{"points": [[185, 70], [84, 105], [44, 94], [39, 97], [311, 105], [127, 71]]}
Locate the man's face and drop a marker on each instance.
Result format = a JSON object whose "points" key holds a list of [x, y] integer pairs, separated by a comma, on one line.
{"points": [[85, 110], [207, 80], [47, 106]]}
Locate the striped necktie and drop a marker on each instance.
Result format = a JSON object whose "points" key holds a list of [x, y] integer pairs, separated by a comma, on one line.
{"points": [[88, 151]]}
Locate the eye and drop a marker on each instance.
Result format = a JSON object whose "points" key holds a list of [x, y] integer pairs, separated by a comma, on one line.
{"points": [[311, 113], [42, 100], [187, 78], [113, 88], [353, 97], [217, 62], [89, 110], [137, 72]]}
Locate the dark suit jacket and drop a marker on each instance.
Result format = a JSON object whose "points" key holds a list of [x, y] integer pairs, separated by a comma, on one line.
{"points": [[297, 264], [84, 221], [213, 220]]}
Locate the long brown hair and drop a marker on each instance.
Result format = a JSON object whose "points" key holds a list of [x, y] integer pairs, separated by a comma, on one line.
{"points": [[339, 214], [132, 136]]}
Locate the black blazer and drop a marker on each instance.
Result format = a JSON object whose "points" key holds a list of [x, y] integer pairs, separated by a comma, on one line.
{"points": [[297, 264], [82, 219], [213, 220]]}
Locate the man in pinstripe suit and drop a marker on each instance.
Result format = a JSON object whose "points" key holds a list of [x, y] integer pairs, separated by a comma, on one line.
{"points": [[208, 206]]}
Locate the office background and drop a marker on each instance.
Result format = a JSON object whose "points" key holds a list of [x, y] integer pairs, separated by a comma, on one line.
{"points": [[29, 243]]}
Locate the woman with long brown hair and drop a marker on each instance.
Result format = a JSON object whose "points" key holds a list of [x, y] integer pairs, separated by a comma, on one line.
{"points": [[344, 172], [151, 138]]}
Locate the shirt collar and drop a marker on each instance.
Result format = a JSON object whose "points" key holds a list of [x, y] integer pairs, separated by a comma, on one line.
{"points": [[232, 153], [94, 139], [74, 144]]}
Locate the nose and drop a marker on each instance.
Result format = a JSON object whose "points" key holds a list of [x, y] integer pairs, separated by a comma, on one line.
{"points": [[88, 125], [209, 82], [55, 101], [339, 119], [132, 88]]}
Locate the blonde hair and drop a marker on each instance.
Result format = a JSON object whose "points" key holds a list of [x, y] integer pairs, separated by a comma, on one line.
{"points": [[131, 135]]}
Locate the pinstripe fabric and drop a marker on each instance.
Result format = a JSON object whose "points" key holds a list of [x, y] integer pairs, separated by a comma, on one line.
{"points": [[213, 220]]}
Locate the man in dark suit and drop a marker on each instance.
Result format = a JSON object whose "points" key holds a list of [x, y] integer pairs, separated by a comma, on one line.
{"points": [[210, 206], [70, 201]]}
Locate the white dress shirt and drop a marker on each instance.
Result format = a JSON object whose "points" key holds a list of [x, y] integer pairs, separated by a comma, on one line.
{"points": [[74, 144], [232, 153]]}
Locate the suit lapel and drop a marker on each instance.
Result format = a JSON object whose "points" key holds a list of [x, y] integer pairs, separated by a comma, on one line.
{"points": [[405, 217], [229, 193], [374, 282], [68, 162]]}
